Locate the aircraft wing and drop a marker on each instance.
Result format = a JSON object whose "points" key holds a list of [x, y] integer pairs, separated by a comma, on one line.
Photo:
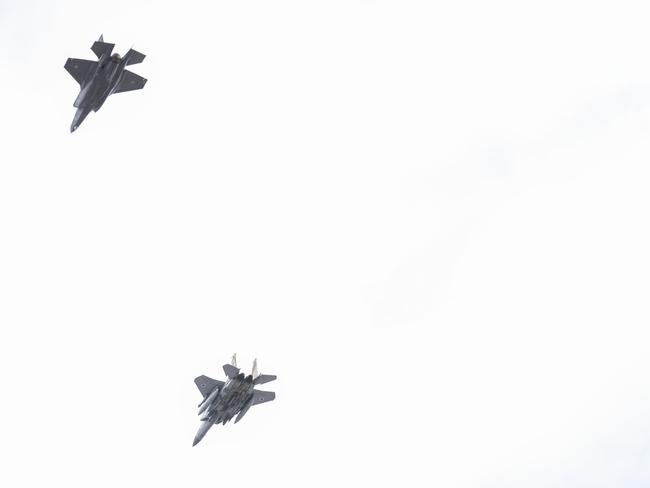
{"points": [[79, 68], [129, 81], [206, 385], [262, 396]]}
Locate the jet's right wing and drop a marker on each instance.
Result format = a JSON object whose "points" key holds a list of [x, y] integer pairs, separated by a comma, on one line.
{"points": [[79, 68], [129, 81], [206, 385], [262, 396]]}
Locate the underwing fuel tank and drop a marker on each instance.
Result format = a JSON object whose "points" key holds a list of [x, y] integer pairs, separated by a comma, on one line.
{"points": [[208, 401], [243, 411]]}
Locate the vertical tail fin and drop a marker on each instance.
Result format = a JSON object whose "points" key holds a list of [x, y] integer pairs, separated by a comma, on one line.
{"points": [[255, 373], [233, 361], [259, 379]]}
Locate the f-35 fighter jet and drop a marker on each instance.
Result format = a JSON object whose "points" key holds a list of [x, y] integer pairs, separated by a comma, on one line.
{"points": [[222, 401], [101, 78]]}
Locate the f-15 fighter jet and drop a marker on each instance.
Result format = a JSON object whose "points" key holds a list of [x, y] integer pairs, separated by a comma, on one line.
{"points": [[223, 400], [101, 78]]}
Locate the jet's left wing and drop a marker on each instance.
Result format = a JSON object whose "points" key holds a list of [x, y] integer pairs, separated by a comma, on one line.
{"points": [[79, 68], [129, 81], [262, 396], [206, 385]]}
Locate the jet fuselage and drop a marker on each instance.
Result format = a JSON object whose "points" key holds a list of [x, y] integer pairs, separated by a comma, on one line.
{"points": [[230, 400], [99, 79], [224, 400], [221, 405], [96, 90]]}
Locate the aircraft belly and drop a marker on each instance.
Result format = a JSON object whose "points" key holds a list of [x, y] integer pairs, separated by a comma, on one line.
{"points": [[99, 79], [82, 98], [92, 95], [99, 103], [236, 396]]}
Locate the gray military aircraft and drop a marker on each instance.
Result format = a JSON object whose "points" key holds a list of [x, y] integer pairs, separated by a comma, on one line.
{"points": [[223, 400], [101, 78]]}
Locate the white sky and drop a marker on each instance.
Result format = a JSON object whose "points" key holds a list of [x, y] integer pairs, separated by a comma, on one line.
{"points": [[429, 220]]}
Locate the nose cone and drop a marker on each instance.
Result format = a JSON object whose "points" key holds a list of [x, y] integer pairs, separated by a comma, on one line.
{"points": [[205, 426], [197, 438], [82, 113]]}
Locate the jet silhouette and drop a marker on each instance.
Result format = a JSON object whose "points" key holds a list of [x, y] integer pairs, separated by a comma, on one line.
{"points": [[223, 400], [101, 78]]}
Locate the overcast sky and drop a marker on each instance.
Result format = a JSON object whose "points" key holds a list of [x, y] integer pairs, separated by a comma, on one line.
{"points": [[429, 220]]}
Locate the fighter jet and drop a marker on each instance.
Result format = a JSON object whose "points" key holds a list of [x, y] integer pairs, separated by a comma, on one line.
{"points": [[223, 400], [101, 78]]}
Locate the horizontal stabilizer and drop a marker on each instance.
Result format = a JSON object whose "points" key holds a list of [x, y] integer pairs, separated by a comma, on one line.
{"points": [[259, 379], [133, 57], [264, 378], [207, 385], [100, 47], [230, 370]]}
